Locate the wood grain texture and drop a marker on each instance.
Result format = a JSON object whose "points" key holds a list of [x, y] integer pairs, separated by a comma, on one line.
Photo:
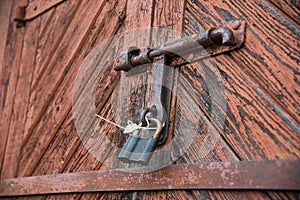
{"points": [[60, 61], [208, 144], [48, 44], [53, 28], [9, 78], [287, 147], [285, 137], [291, 8], [252, 124], [36, 8], [261, 102], [55, 112], [59, 154], [270, 55], [5, 13], [196, 152], [46, 19], [19, 110], [138, 15]]}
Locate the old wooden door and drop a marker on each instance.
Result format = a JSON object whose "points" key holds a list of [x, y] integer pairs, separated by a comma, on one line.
{"points": [[252, 98]]}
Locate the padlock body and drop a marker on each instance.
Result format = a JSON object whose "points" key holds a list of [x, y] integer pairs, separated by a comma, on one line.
{"points": [[143, 150], [138, 149], [128, 148]]}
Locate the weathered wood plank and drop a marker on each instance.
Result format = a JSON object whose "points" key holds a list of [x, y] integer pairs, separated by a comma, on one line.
{"points": [[270, 150], [114, 15], [83, 160], [5, 13], [270, 56], [19, 109], [36, 8], [111, 12], [285, 195], [52, 34], [50, 37], [252, 127], [280, 131], [46, 20], [9, 77], [43, 92], [291, 8], [197, 152], [208, 145], [142, 20]]}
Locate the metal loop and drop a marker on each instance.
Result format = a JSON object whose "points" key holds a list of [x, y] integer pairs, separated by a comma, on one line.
{"points": [[158, 127], [150, 112]]}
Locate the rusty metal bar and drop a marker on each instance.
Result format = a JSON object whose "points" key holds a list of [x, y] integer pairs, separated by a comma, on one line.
{"points": [[212, 41], [254, 175]]}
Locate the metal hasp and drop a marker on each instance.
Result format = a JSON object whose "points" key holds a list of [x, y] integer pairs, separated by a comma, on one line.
{"points": [[212, 41]]}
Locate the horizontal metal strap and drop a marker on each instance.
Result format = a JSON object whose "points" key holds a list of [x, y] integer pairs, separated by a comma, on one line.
{"points": [[261, 175], [34, 9]]}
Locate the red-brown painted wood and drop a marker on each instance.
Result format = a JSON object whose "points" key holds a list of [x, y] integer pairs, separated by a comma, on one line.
{"points": [[53, 28], [5, 13], [61, 111], [261, 102], [18, 119], [48, 44], [9, 79], [270, 56], [260, 121], [36, 8], [291, 8]]}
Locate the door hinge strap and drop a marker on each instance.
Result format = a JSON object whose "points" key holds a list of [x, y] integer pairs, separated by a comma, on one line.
{"points": [[255, 175], [23, 14]]}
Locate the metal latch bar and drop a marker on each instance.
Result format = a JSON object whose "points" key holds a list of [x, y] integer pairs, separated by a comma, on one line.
{"points": [[214, 41]]}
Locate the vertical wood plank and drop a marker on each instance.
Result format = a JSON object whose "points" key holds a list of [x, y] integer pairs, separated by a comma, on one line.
{"points": [[53, 29], [138, 15], [21, 99], [61, 62], [5, 15], [60, 149], [9, 77]]}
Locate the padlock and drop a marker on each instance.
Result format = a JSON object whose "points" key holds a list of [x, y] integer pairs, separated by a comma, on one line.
{"points": [[139, 149]]}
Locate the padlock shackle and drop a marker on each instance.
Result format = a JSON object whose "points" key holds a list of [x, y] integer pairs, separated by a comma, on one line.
{"points": [[158, 127]]}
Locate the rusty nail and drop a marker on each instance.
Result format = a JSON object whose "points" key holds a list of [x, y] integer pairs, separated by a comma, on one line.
{"points": [[236, 24], [191, 56]]}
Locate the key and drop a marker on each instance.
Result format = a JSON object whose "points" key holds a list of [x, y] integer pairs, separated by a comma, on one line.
{"points": [[131, 127]]}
